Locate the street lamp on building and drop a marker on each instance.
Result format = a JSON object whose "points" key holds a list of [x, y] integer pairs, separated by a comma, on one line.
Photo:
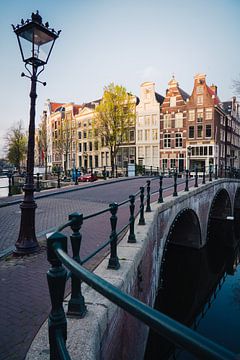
{"points": [[189, 153], [36, 42]]}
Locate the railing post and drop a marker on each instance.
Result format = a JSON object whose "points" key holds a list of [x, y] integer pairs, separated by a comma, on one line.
{"points": [[113, 261], [131, 236], [204, 175], [76, 305], [56, 277], [9, 175], [196, 177], [175, 185], [210, 173], [151, 170], [215, 175], [38, 183], [58, 179], [160, 192], [148, 207], [141, 217], [76, 177], [186, 180]]}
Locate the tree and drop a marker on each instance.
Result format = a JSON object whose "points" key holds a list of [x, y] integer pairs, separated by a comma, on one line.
{"points": [[113, 117], [16, 145], [236, 86]]}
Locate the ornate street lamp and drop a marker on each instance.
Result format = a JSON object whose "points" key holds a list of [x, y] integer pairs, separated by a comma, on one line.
{"points": [[36, 42]]}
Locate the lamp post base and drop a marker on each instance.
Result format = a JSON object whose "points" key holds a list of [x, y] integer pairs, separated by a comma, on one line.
{"points": [[27, 242]]}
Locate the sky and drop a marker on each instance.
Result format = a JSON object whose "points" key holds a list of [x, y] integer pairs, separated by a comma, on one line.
{"points": [[126, 42]]}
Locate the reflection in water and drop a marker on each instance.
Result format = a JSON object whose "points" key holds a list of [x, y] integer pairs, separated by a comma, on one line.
{"points": [[199, 291]]}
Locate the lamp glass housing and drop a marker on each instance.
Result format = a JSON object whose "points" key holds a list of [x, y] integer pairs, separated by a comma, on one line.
{"points": [[36, 43]]}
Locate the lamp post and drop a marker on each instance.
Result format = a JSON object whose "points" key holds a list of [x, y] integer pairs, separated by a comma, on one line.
{"points": [[36, 42], [189, 152]]}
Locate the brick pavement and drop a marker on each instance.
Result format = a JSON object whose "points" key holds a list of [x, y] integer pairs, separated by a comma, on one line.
{"points": [[25, 302]]}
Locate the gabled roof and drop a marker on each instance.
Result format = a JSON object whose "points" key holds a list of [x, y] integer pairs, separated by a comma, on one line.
{"points": [[183, 93], [92, 104], [54, 106], [227, 106]]}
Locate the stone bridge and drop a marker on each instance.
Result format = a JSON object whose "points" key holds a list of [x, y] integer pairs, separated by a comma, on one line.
{"points": [[107, 332]]}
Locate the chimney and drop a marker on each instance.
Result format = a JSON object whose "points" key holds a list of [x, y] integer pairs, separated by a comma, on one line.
{"points": [[214, 89]]}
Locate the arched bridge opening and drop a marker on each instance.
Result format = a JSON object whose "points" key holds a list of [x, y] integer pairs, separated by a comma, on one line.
{"points": [[220, 219]]}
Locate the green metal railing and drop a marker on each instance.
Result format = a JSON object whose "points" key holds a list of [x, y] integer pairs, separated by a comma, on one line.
{"points": [[57, 276]]}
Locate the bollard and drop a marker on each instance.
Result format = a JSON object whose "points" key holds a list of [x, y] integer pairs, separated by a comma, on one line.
{"points": [[76, 305], [196, 177], [56, 278], [175, 184], [131, 236], [160, 192], [186, 181], [38, 183], [148, 207], [58, 179], [9, 175], [113, 261], [141, 217], [104, 173]]}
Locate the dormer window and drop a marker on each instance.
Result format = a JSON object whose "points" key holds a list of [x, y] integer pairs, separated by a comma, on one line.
{"points": [[200, 100], [199, 89]]}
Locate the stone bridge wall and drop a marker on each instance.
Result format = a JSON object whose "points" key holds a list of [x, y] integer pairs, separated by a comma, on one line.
{"points": [[107, 332]]}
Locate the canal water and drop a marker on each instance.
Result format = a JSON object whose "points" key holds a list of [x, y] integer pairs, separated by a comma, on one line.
{"points": [[3, 186], [201, 289]]}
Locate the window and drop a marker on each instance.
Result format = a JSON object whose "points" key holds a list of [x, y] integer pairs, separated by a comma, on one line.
{"points": [[140, 132], [178, 140], [84, 146], [199, 131], [80, 147], [210, 150], [164, 163], [191, 132], [172, 163], [154, 134], [90, 134], [140, 121], [208, 114], [154, 119], [90, 146], [167, 141], [147, 120], [148, 151], [131, 135], [178, 120], [96, 145], [200, 116], [208, 131], [84, 134], [172, 101], [200, 100], [167, 121], [147, 135], [140, 151], [191, 115], [199, 89]]}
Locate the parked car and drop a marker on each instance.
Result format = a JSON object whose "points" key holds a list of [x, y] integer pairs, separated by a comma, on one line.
{"points": [[88, 178]]}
